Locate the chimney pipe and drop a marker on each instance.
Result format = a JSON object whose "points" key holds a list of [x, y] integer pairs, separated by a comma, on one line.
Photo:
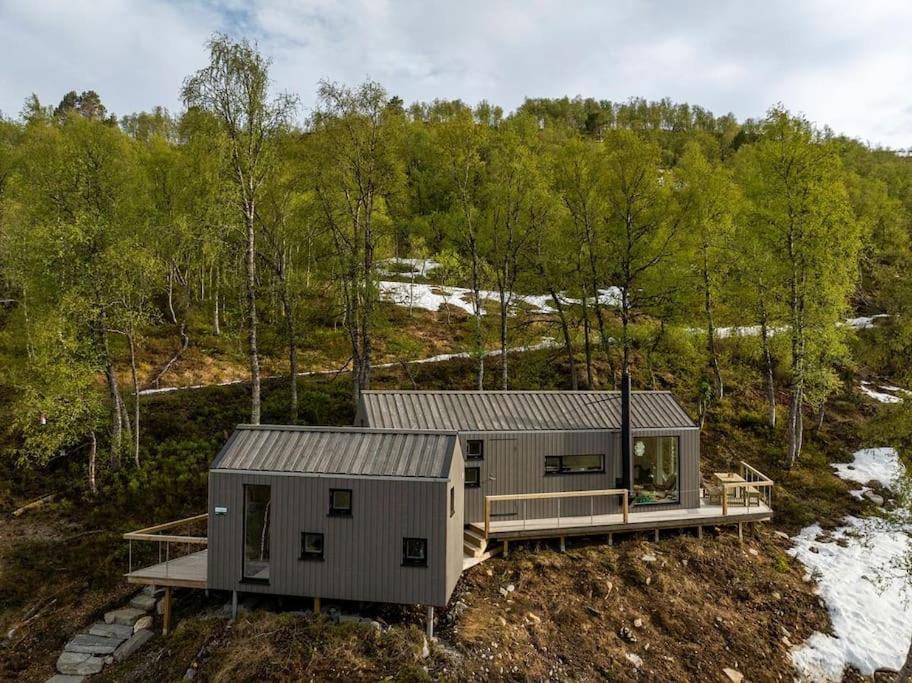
{"points": [[626, 435]]}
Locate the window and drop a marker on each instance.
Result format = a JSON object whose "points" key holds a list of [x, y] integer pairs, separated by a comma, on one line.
{"points": [[311, 546], [414, 552], [474, 449], [452, 501], [574, 464], [655, 469], [257, 499], [472, 477], [340, 502]]}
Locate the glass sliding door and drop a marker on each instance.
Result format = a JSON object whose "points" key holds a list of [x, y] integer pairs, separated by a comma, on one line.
{"points": [[257, 501], [655, 469]]}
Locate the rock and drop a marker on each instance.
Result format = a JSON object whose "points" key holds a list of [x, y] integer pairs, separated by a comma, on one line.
{"points": [[634, 659], [503, 591], [511, 588], [787, 642], [425, 648], [160, 607], [781, 534], [753, 551], [79, 664], [190, 674], [142, 622], [125, 615], [144, 602], [65, 678], [648, 580], [733, 675], [814, 549], [874, 498], [534, 618], [626, 634], [109, 660], [608, 587], [154, 592], [501, 621], [638, 623], [88, 644], [136, 641], [648, 557], [111, 630], [777, 596], [593, 611]]}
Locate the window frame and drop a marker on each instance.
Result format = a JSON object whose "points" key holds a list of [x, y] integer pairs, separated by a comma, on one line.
{"points": [[412, 562], [337, 512], [473, 484], [469, 456], [452, 501], [310, 556], [563, 471], [268, 517], [677, 450]]}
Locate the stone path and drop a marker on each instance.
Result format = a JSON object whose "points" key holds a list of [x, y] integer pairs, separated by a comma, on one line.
{"points": [[122, 633]]}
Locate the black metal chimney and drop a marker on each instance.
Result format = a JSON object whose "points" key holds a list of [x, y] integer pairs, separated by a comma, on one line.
{"points": [[626, 433]]}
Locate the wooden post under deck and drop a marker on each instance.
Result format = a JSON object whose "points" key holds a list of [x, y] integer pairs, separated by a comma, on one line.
{"points": [[563, 544], [506, 549], [233, 605], [316, 605], [429, 626], [740, 533], [166, 612], [699, 532]]}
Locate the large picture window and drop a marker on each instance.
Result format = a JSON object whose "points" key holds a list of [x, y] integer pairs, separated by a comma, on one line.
{"points": [[656, 472], [574, 464], [257, 503]]}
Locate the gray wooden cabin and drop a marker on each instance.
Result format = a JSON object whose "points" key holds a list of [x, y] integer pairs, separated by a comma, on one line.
{"points": [[370, 515], [517, 442]]}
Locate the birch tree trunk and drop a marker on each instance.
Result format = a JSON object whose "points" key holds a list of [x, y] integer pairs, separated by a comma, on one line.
{"points": [[291, 332], [250, 216], [477, 310], [93, 452], [710, 326], [568, 343], [768, 362], [131, 340]]}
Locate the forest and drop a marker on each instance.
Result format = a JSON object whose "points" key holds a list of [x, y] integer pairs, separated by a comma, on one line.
{"points": [[166, 275], [247, 219]]}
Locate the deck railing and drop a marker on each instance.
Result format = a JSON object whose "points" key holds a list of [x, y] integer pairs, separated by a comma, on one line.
{"points": [[558, 496], [755, 485], [155, 534]]}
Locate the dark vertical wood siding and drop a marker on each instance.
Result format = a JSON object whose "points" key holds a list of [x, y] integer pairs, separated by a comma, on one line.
{"points": [[363, 553], [514, 462]]}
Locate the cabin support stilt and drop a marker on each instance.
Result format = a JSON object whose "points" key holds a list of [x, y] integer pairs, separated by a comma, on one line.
{"points": [[700, 532], [563, 544], [610, 539], [166, 612], [506, 549], [656, 536], [233, 605], [740, 532], [316, 605], [429, 626]]}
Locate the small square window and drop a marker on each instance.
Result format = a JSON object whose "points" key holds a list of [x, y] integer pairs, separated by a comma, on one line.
{"points": [[311, 546], [472, 477], [414, 552], [474, 449], [340, 502]]}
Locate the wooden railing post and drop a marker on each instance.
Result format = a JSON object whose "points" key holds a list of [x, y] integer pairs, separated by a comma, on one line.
{"points": [[626, 505], [724, 499], [487, 517]]}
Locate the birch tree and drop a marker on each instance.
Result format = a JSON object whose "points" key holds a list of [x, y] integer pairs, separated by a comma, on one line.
{"points": [[235, 87]]}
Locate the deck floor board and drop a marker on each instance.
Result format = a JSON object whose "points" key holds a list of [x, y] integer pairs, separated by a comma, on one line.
{"points": [[189, 571]]}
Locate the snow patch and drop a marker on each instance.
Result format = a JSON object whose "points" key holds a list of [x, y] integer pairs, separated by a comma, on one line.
{"points": [[407, 267], [857, 577], [865, 322], [879, 392]]}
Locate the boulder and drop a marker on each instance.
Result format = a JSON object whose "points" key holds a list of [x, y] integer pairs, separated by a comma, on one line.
{"points": [[143, 602], [648, 557], [874, 498], [121, 631], [733, 675], [92, 645], [634, 659], [425, 649], [136, 641], [65, 678], [126, 616], [142, 622], [79, 664]]}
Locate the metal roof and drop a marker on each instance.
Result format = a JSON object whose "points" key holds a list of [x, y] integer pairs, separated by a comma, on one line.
{"points": [[479, 411], [338, 450]]}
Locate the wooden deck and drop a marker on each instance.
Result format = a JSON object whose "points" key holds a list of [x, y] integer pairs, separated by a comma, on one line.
{"points": [[638, 520], [188, 571]]}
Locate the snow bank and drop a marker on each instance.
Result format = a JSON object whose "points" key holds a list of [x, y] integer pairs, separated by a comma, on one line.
{"points": [[872, 464], [857, 577], [864, 322], [407, 267], [882, 393], [431, 297]]}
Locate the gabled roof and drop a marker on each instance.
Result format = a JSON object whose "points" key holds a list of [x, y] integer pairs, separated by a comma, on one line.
{"points": [[338, 450], [479, 411]]}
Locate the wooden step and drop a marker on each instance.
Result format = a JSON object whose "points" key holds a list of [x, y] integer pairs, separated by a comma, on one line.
{"points": [[471, 551], [474, 537]]}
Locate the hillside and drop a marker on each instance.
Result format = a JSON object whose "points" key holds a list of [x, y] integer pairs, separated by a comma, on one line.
{"points": [[596, 611]]}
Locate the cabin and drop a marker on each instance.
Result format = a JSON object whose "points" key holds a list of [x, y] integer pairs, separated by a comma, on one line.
{"points": [[429, 483]]}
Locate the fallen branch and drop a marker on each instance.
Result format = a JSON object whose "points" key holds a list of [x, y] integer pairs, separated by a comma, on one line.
{"points": [[185, 342], [34, 504], [12, 631]]}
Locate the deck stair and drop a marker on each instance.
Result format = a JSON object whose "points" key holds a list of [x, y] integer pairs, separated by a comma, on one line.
{"points": [[474, 543]]}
